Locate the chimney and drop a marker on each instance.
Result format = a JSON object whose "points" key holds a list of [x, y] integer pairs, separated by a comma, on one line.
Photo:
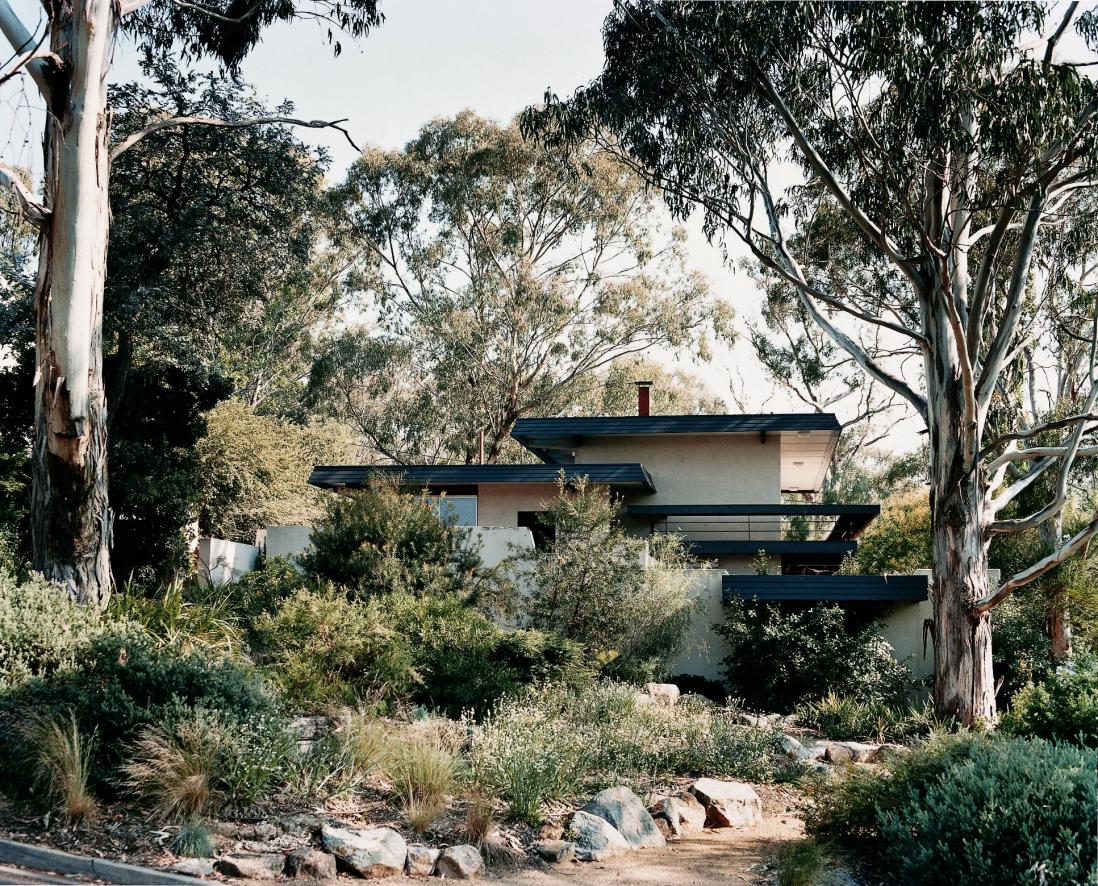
{"points": [[644, 397]]}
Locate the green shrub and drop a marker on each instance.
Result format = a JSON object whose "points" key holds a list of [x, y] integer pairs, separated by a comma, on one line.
{"points": [[424, 773], [781, 656], [185, 616], [42, 631], [264, 589], [322, 648], [1064, 706], [1019, 641], [193, 841], [380, 540], [125, 681], [973, 810], [466, 661], [841, 717]]}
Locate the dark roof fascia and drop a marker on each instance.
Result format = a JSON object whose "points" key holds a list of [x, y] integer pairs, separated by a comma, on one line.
{"points": [[624, 474], [741, 510], [712, 548], [609, 426], [811, 588]]}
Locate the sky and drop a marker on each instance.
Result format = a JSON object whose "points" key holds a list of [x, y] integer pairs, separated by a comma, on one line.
{"points": [[434, 58]]}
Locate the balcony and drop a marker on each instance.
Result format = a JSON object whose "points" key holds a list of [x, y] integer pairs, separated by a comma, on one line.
{"points": [[781, 529]]}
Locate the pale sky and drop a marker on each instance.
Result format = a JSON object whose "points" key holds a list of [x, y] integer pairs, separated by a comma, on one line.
{"points": [[433, 58]]}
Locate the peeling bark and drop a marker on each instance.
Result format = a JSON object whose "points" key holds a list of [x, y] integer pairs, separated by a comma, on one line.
{"points": [[71, 517]]}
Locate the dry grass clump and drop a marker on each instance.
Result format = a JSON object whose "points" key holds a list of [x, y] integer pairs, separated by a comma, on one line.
{"points": [[174, 771], [366, 741], [424, 773], [62, 755]]}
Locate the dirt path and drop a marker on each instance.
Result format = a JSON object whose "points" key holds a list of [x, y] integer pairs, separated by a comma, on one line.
{"points": [[729, 855]]}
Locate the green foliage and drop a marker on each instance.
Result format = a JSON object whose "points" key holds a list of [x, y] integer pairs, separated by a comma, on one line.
{"points": [[553, 742], [1019, 641], [424, 772], [1063, 706], [592, 586], [322, 648], [380, 540], [780, 656], [42, 631], [186, 616], [968, 809], [62, 762], [800, 864], [193, 841], [125, 680], [841, 717], [256, 470], [897, 542]]}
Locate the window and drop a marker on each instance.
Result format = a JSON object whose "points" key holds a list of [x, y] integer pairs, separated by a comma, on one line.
{"points": [[460, 510]]}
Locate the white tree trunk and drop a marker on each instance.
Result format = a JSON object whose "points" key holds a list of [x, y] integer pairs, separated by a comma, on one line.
{"points": [[71, 517]]}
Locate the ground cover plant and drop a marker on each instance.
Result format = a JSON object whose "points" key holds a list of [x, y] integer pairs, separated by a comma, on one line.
{"points": [[1064, 706], [843, 717]]}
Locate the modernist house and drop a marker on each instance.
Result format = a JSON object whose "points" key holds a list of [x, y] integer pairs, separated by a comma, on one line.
{"points": [[721, 481]]}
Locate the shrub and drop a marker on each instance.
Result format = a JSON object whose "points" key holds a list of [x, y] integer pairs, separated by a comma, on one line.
{"points": [[264, 589], [591, 586], [424, 772], [185, 616], [972, 810], [841, 717], [323, 648], [1020, 645], [204, 759], [380, 540], [466, 661], [193, 841], [62, 757], [800, 864], [341, 760], [780, 656], [126, 681], [1064, 706], [42, 631]]}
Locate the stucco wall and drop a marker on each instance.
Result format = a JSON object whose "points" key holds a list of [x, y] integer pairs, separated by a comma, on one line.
{"points": [[221, 561], [703, 649], [499, 504], [287, 541]]}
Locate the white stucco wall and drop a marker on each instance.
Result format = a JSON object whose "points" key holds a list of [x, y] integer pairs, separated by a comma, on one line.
{"points": [[703, 649], [494, 544], [287, 541], [499, 504], [221, 561]]}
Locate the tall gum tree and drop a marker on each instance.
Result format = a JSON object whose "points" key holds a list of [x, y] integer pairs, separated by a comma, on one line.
{"points": [[950, 139], [69, 65]]}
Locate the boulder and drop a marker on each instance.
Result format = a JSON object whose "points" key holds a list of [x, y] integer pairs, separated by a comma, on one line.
{"points": [[665, 827], [421, 861], [836, 753], [595, 838], [794, 748], [193, 867], [624, 810], [252, 865], [815, 751], [683, 813], [728, 804], [372, 853], [860, 752], [460, 863], [752, 720], [307, 863], [555, 851], [665, 694]]}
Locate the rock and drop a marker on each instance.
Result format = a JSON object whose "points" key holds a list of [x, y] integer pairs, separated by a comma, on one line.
{"points": [[309, 728], [815, 751], [372, 853], [682, 812], [193, 867], [794, 748], [421, 861], [311, 864], [664, 827], [728, 804], [772, 718], [836, 753], [300, 823], [861, 753], [555, 851], [624, 810], [460, 863], [642, 699], [252, 865], [665, 694], [550, 831], [595, 838]]}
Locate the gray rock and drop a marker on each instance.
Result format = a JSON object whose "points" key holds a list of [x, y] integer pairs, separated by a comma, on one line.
{"points": [[751, 719], [665, 694], [252, 865], [596, 839], [421, 861], [815, 751], [794, 748], [683, 813], [624, 810], [860, 752], [460, 863], [728, 804], [300, 823], [555, 851], [372, 853], [836, 753], [193, 867], [311, 864], [309, 728]]}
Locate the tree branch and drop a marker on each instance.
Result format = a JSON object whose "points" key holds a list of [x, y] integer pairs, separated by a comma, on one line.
{"points": [[22, 41], [133, 138], [1025, 433], [33, 210]]}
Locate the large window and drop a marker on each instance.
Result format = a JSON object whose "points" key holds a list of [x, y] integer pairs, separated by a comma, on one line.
{"points": [[460, 510]]}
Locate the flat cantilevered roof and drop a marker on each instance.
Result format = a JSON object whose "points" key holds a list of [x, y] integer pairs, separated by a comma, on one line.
{"points": [[807, 439], [812, 588], [628, 475]]}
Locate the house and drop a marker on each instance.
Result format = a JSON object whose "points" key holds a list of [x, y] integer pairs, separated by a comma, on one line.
{"points": [[717, 480]]}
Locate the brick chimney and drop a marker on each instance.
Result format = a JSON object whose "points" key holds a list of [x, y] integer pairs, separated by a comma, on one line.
{"points": [[644, 397]]}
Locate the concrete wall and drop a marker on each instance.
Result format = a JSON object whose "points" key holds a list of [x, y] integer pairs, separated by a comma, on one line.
{"points": [[221, 561], [704, 649], [495, 544], [499, 504], [287, 541]]}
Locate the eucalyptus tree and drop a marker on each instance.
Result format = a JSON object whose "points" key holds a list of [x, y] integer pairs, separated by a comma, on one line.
{"points": [[952, 138], [69, 65], [501, 275]]}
